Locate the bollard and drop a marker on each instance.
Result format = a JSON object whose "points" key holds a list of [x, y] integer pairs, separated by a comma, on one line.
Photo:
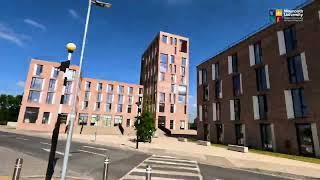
{"points": [[148, 172], [17, 169], [106, 168]]}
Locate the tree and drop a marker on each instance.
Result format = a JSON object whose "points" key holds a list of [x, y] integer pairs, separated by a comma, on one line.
{"points": [[9, 108], [145, 127]]}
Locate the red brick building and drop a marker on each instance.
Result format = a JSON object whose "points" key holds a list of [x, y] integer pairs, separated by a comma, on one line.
{"points": [[264, 91]]}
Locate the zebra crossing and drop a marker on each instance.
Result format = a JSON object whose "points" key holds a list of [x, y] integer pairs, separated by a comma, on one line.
{"points": [[164, 168]]}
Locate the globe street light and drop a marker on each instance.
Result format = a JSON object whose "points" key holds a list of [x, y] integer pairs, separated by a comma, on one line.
{"points": [[77, 79]]}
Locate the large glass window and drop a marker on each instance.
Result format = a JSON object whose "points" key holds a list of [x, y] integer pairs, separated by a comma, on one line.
{"points": [[239, 134], [87, 86], [45, 118], [52, 85], [39, 69], [258, 53], [31, 115], [99, 97], [49, 99], [117, 120], [110, 88], [163, 62], [205, 92], [34, 96], [183, 46], [94, 120], [66, 99], [305, 140], [263, 106], [295, 69], [55, 73], [299, 103], [234, 63], [164, 39], [83, 119], [237, 109], [108, 107], [99, 86], [119, 108], [107, 120], [218, 89], [266, 137], [290, 38], [120, 99], [121, 89], [236, 85], [161, 107], [204, 76], [261, 79], [130, 90], [36, 83]]}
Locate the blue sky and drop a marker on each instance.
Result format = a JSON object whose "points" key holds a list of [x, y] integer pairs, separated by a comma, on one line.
{"points": [[118, 36]]}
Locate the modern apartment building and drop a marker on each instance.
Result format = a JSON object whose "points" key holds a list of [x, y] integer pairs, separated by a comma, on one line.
{"points": [[100, 103], [263, 92], [165, 77]]}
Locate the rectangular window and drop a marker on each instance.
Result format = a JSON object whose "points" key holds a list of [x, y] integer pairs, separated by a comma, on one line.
{"points": [[130, 90], [215, 71], [129, 109], [219, 128], [120, 99], [68, 87], [162, 97], [239, 134], [45, 118], [119, 108], [206, 92], [261, 79], [107, 120], [108, 107], [182, 99], [163, 62], [31, 115], [173, 87], [99, 87], [117, 120], [183, 71], [109, 98], [66, 99], [55, 72], [236, 85], [305, 139], [290, 39], [237, 109], [128, 123], [34, 96], [263, 106], [257, 53], [172, 59], [183, 61], [204, 76], [171, 124], [183, 46], [182, 124], [85, 105], [295, 69], [88, 86], [121, 90], [171, 108], [99, 97], [140, 90], [234, 63], [218, 89], [98, 106], [110, 88], [52, 85], [39, 69], [94, 120], [130, 100], [161, 107], [49, 99], [164, 39], [36, 83], [173, 78], [162, 76], [171, 40], [218, 111], [299, 103], [86, 96], [266, 137], [83, 119]]}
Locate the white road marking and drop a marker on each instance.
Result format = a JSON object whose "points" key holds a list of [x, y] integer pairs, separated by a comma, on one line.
{"points": [[169, 157], [91, 147], [172, 163], [169, 172], [176, 160], [173, 166], [22, 138], [57, 152], [92, 153], [45, 143]]}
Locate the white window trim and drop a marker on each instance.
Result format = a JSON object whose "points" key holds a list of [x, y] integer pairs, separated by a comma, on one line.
{"points": [[289, 104], [229, 64], [274, 144], [214, 111], [266, 68], [213, 67], [232, 113], [281, 43], [315, 138], [200, 113], [251, 55], [255, 103], [200, 77], [304, 67], [220, 94]]}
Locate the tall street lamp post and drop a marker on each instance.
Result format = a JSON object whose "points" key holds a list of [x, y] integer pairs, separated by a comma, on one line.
{"points": [[77, 79]]}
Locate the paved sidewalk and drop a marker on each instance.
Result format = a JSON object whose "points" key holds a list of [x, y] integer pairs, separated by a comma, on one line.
{"points": [[204, 154]]}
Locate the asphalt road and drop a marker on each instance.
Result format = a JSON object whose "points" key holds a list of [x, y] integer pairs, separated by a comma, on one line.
{"points": [[87, 160]]}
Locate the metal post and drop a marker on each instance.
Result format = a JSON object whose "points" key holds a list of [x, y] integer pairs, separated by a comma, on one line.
{"points": [[17, 169], [77, 79], [106, 168], [148, 172]]}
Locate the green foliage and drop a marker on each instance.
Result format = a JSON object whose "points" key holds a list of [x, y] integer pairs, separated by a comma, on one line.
{"points": [[9, 108], [145, 126]]}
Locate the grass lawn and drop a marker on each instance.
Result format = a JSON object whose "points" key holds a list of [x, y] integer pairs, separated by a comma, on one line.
{"points": [[274, 154]]}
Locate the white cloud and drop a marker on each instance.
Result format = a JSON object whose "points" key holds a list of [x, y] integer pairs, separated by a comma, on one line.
{"points": [[8, 34], [20, 84], [35, 24], [73, 14]]}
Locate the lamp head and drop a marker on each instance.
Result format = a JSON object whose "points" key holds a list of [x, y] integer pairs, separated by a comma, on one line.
{"points": [[71, 47]]}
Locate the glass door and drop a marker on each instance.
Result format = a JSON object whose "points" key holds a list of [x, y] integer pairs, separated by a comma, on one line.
{"points": [[304, 135]]}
